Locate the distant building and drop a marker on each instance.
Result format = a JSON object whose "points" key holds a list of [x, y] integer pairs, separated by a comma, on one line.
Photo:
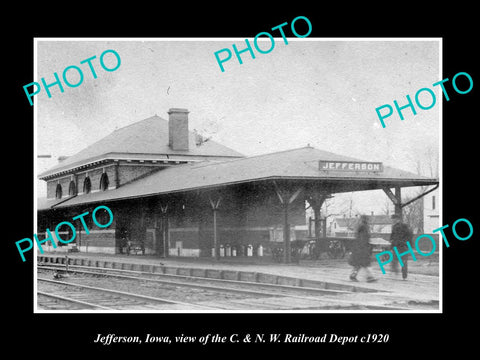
{"points": [[431, 213], [345, 227]]}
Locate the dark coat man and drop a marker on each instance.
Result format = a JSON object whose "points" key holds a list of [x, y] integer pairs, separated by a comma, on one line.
{"points": [[361, 251], [401, 233], [361, 248]]}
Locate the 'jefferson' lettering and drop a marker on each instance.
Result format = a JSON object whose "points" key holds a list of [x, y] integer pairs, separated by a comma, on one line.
{"points": [[350, 166]]}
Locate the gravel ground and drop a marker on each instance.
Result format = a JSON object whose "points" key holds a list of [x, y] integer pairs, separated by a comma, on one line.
{"points": [[166, 291], [423, 283]]}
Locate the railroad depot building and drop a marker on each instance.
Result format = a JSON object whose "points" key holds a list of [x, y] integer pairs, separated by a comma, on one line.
{"points": [[175, 193]]}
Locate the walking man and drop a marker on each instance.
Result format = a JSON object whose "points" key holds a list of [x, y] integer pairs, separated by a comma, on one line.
{"points": [[401, 233], [361, 251]]}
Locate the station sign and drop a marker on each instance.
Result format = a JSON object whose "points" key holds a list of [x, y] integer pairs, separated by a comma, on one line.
{"points": [[350, 166]]}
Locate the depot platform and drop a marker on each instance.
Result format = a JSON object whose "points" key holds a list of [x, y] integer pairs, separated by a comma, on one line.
{"points": [[423, 284]]}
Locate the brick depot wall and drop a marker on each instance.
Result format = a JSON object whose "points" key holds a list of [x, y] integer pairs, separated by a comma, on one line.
{"points": [[52, 187], [102, 241], [182, 240], [128, 173], [99, 241], [238, 238], [94, 174], [241, 221], [271, 214], [188, 236]]}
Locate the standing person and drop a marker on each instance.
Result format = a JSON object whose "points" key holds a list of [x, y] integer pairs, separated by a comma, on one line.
{"points": [[123, 240], [401, 233], [361, 251]]}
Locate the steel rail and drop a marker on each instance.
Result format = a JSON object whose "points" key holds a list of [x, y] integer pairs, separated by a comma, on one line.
{"points": [[80, 302], [123, 293], [104, 271], [109, 271]]}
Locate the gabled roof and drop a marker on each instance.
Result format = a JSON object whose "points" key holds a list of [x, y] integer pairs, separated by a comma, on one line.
{"points": [[297, 164], [143, 138]]}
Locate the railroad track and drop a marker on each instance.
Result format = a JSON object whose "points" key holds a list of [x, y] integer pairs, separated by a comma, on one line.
{"points": [[199, 282], [249, 295], [90, 297], [49, 301]]}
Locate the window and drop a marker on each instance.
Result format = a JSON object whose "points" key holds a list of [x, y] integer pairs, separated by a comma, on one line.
{"points": [[58, 192], [87, 185], [433, 202], [72, 188], [104, 182]]}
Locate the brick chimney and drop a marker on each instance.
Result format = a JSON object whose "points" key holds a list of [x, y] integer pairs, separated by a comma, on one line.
{"points": [[178, 129]]}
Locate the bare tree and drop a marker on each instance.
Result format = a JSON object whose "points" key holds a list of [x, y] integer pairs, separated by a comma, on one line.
{"points": [[349, 212], [428, 166], [413, 215], [387, 207]]}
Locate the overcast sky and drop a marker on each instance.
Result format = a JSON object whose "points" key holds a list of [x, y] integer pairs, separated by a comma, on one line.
{"points": [[311, 91]]}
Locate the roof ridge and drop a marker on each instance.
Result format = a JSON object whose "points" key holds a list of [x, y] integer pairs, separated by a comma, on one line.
{"points": [[131, 139], [121, 128], [136, 122], [253, 156]]}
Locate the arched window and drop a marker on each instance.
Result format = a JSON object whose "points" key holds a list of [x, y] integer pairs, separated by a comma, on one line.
{"points": [[104, 182], [58, 192], [87, 185], [72, 189]]}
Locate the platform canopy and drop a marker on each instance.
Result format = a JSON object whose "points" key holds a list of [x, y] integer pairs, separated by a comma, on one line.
{"points": [[319, 170]]}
